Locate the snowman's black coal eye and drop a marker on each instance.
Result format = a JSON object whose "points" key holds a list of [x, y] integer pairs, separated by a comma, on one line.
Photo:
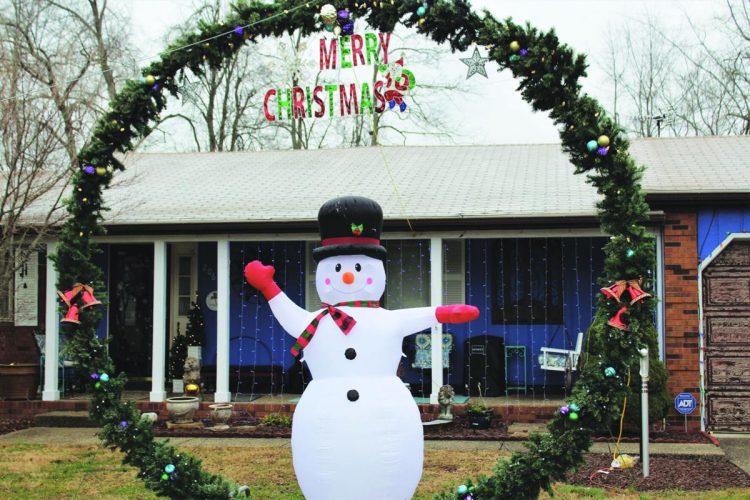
{"points": [[338, 268], [357, 267]]}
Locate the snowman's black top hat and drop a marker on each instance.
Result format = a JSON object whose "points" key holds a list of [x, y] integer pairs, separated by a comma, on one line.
{"points": [[350, 225]]}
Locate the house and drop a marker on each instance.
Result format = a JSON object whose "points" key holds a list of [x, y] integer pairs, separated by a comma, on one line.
{"points": [[507, 228]]}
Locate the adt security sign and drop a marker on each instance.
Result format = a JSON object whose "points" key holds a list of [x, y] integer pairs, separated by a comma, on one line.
{"points": [[685, 403]]}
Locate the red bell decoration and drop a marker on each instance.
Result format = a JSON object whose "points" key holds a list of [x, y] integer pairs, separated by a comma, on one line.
{"points": [[616, 322], [615, 291], [88, 297], [635, 291], [72, 315], [71, 294]]}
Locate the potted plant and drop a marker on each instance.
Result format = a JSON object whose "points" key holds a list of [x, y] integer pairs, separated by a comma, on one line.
{"points": [[177, 355], [195, 331], [479, 414]]}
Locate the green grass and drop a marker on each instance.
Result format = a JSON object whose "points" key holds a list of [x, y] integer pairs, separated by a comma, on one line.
{"points": [[29, 471]]}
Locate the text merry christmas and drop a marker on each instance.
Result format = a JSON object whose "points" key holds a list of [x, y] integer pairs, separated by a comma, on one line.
{"points": [[341, 99]]}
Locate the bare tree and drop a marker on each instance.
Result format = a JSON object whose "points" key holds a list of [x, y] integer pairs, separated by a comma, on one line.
{"points": [[692, 82], [52, 88]]}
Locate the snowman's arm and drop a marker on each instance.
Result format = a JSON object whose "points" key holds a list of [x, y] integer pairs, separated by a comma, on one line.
{"points": [[292, 317], [415, 319], [420, 318]]}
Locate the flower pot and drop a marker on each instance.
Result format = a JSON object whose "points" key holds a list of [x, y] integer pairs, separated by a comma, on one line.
{"points": [[221, 413], [182, 409], [19, 380], [480, 420]]}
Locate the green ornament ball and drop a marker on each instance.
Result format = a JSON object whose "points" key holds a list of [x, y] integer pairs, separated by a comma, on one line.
{"points": [[574, 407], [609, 372], [591, 146], [630, 252], [514, 58], [515, 46], [164, 477], [573, 416], [98, 385], [462, 490], [421, 10], [603, 141], [104, 377], [169, 468], [329, 27]]}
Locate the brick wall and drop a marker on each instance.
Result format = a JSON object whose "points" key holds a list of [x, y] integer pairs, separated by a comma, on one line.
{"points": [[681, 310]]}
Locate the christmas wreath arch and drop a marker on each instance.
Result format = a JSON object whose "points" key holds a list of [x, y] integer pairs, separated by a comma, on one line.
{"points": [[548, 74]]}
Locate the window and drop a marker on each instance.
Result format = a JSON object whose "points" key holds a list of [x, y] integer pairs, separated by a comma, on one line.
{"points": [[407, 271], [527, 281]]}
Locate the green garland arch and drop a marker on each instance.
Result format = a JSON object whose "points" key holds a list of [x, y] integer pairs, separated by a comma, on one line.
{"points": [[548, 79]]}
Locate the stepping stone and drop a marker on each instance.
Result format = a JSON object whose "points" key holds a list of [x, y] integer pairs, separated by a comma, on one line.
{"points": [[64, 419]]}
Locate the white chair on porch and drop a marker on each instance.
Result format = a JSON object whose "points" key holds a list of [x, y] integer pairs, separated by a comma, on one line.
{"points": [[562, 360]]}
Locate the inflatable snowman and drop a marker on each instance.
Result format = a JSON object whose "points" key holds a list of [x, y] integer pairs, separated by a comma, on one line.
{"points": [[356, 433]]}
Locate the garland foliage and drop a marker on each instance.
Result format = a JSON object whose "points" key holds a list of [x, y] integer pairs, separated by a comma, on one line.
{"points": [[548, 78]]}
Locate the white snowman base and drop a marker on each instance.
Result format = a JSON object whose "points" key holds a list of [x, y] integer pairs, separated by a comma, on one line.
{"points": [[330, 437]]}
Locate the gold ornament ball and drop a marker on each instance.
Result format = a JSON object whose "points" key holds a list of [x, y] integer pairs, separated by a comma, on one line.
{"points": [[328, 14], [603, 141], [101, 170], [192, 389], [515, 46], [150, 80]]}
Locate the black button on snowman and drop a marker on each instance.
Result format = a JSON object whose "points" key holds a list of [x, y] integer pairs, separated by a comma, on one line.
{"points": [[372, 449]]}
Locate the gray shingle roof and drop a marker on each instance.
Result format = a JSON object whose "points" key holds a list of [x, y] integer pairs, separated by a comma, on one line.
{"points": [[505, 181]]}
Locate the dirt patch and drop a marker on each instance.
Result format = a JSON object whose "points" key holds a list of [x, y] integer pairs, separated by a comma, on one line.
{"points": [[693, 473], [248, 427], [12, 425]]}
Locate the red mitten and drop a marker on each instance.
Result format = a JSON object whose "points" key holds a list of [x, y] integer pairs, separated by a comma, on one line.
{"points": [[261, 277], [456, 313]]}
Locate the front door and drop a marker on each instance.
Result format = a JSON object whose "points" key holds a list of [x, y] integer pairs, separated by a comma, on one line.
{"points": [[184, 285], [726, 307], [131, 311]]}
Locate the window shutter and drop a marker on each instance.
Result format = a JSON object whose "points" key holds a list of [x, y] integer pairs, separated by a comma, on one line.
{"points": [[453, 272], [312, 301]]}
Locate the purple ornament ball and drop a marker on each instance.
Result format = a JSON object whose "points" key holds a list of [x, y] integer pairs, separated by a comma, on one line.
{"points": [[343, 14], [347, 29], [124, 424], [239, 30], [602, 151], [564, 410], [95, 376], [89, 169], [524, 52]]}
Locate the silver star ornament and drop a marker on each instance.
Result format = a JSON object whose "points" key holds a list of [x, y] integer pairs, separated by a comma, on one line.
{"points": [[476, 64]]}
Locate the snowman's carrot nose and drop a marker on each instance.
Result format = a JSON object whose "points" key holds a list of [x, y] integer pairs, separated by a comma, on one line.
{"points": [[348, 278]]}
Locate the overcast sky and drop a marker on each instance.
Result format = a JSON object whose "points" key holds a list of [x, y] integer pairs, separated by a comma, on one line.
{"points": [[494, 113]]}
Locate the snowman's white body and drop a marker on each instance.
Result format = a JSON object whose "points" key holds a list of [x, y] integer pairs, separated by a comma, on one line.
{"points": [[372, 447]]}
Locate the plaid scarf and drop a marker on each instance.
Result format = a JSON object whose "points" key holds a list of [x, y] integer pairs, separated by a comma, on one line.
{"points": [[342, 320]]}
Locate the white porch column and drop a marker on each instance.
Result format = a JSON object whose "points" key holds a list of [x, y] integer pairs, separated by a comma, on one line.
{"points": [[50, 391], [159, 340], [222, 394], [436, 299]]}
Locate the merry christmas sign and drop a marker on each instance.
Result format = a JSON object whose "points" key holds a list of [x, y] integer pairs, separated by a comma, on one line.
{"points": [[339, 56]]}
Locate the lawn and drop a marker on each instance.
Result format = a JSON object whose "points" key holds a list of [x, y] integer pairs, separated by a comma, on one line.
{"points": [[32, 471]]}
